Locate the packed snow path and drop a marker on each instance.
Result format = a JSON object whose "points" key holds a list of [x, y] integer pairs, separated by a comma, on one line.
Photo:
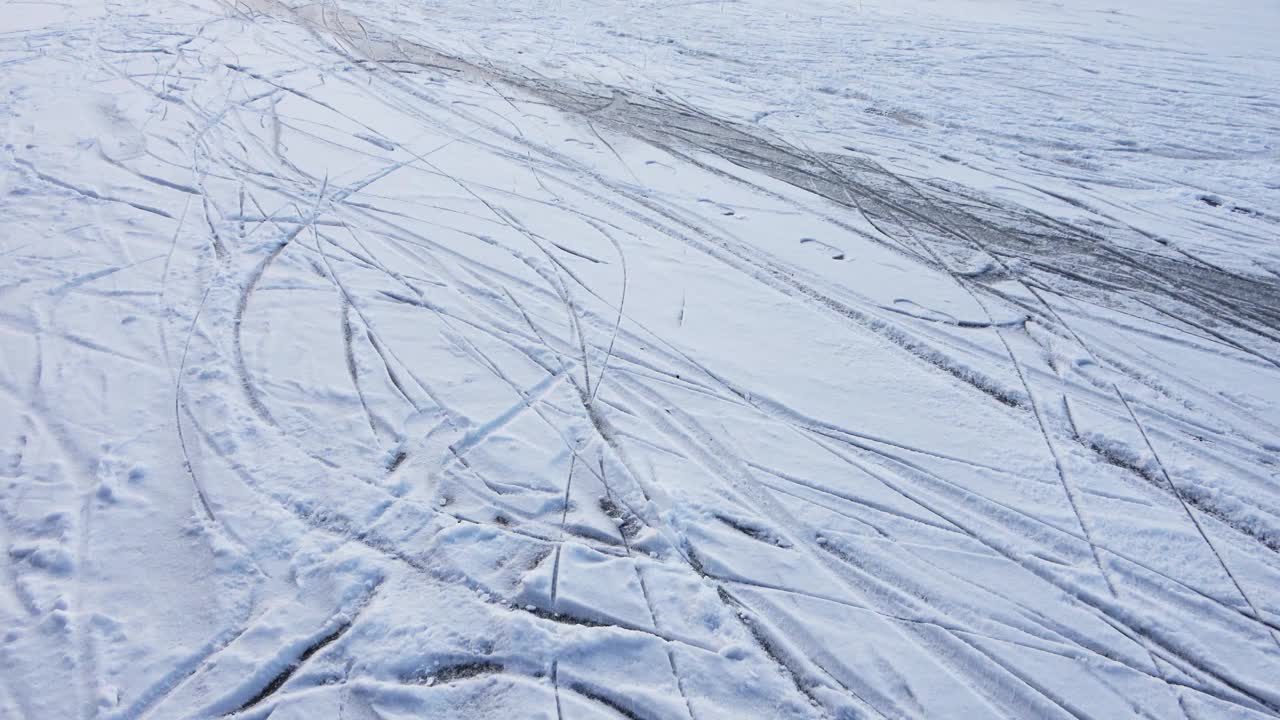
{"points": [[381, 360]]}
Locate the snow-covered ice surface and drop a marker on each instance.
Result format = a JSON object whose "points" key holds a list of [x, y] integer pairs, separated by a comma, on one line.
{"points": [[386, 359]]}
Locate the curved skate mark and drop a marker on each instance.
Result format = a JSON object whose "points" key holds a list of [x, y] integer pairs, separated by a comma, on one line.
{"points": [[89, 193], [911, 308], [179, 408], [376, 141], [793, 666], [752, 529], [348, 351], [830, 251], [184, 670], [578, 620], [601, 696], [251, 390], [453, 672], [578, 253], [283, 676]]}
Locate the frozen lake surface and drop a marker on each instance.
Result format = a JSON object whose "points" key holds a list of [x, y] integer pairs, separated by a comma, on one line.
{"points": [[380, 359]]}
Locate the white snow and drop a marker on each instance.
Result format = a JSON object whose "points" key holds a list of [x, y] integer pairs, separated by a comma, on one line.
{"points": [[380, 359]]}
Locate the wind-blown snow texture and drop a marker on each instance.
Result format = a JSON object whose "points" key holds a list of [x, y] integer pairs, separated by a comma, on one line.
{"points": [[386, 359]]}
